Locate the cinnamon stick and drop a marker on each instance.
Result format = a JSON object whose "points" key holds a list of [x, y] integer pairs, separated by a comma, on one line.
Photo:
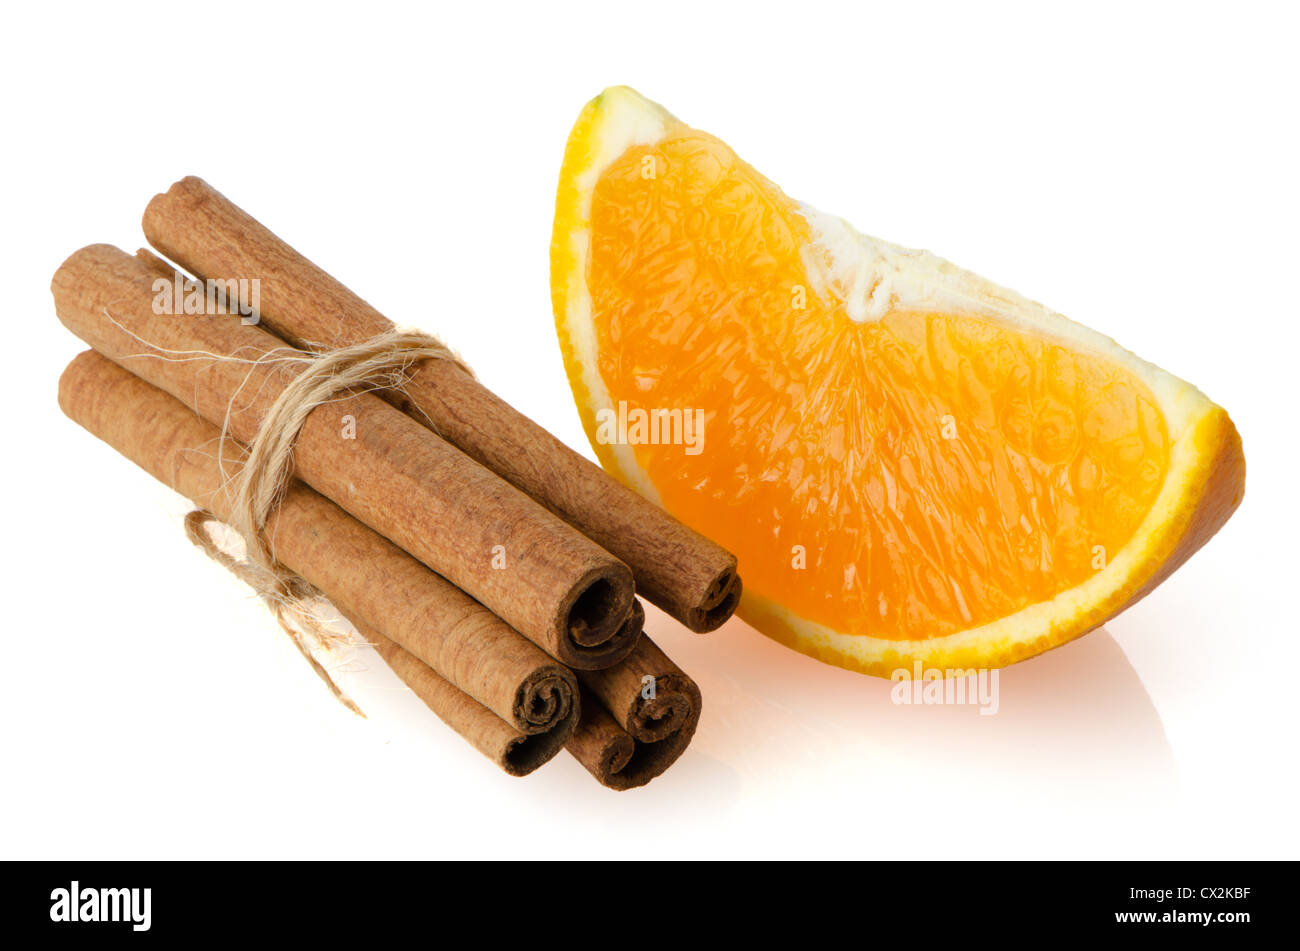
{"points": [[638, 717], [558, 588], [687, 575], [434, 636], [518, 754]]}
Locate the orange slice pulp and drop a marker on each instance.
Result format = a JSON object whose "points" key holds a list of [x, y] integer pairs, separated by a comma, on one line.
{"points": [[912, 464]]}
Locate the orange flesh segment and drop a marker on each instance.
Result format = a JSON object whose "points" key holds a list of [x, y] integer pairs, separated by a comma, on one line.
{"points": [[937, 471]]}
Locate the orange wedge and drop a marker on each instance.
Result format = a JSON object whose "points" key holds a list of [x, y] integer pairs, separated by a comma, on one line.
{"points": [[913, 464]]}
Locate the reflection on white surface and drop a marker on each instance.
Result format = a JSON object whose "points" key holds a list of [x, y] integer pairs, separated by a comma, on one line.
{"points": [[1075, 730], [1075, 722]]}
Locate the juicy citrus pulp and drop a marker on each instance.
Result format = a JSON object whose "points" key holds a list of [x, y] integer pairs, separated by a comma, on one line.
{"points": [[910, 462]]}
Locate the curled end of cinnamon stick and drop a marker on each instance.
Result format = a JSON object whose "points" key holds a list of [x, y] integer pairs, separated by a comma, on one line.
{"points": [[523, 754], [516, 753], [597, 608], [547, 697], [603, 748], [718, 604], [672, 705], [610, 604]]}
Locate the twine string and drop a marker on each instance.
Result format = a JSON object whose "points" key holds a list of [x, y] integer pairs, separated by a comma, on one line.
{"points": [[382, 362], [287, 601]]}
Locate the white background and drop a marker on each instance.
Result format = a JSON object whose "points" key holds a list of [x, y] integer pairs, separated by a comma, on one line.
{"points": [[1132, 166]]}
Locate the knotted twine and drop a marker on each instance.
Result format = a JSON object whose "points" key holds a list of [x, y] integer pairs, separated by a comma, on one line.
{"points": [[383, 362]]}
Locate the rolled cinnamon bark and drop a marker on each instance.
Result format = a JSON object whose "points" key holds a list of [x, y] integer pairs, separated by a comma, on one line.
{"points": [[515, 752], [384, 591], [687, 575], [638, 717], [557, 588]]}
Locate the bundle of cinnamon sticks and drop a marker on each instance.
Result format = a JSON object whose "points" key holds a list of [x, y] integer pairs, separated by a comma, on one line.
{"points": [[493, 568]]}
